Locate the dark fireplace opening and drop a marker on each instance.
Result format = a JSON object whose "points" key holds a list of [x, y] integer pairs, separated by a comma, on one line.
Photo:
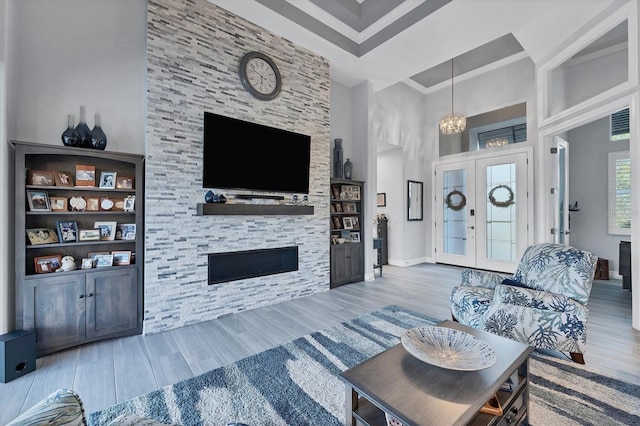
{"points": [[238, 265]]}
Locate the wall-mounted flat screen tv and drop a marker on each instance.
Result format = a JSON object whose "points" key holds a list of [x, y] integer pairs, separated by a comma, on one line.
{"points": [[239, 154]]}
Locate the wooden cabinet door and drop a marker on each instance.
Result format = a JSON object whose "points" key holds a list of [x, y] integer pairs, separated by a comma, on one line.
{"points": [[112, 302], [356, 261], [54, 306]]}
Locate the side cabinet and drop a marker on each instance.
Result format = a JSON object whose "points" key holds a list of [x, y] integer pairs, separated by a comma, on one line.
{"points": [[347, 232], [67, 207]]}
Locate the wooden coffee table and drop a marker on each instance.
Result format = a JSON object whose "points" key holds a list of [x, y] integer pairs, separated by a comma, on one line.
{"points": [[417, 393]]}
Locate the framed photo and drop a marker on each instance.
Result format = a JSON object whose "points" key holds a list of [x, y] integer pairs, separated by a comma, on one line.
{"points": [[68, 231], [334, 239], [41, 178], [93, 204], [336, 222], [77, 203], [89, 234], [356, 222], [87, 263], [106, 204], [39, 236], [118, 204], [129, 203], [382, 199], [63, 178], [121, 257], [350, 208], [126, 231], [338, 207], [47, 264], [335, 192], [108, 180], [94, 255], [58, 204], [351, 192], [85, 175], [124, 182], [355, 237], [103, 260], [107, 230], [347, 222], [38, 201]]}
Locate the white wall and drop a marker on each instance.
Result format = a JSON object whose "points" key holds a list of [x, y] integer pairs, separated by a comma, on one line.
{"points": [[589, 146], [80, 52], [64, 54], [391, 182], [341, 119], [6, 194]]}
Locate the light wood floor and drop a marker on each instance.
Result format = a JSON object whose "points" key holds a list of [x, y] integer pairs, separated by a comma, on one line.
{"points": [[112, 371]]}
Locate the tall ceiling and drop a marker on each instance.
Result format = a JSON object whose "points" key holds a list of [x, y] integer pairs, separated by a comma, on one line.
{"points": [[413, 41]]}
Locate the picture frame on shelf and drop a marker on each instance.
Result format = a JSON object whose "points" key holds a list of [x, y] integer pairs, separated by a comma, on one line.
{"points": [[352, 192], [356, 222], [77, 203], [347, 222], [107, 230], [335, 192], [338, 207], [349, 207], [121, 257], [63, 178], [87, 263], [93, 256], [127, 231], [103, 260], [93, 204], [332, 208], [85, 175], [334, 239], [38, 201], [58, 204], [124, 182], [106, 204], [89, 234], [129, 203], [41, 178], [108, 180], [47, 264], [355, 237], [336, 222], [39, 236], [68, 231], [381, 200], [118, 204]]}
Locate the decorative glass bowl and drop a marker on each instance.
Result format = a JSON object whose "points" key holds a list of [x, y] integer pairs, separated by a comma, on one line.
{"points": [[448, 348]]}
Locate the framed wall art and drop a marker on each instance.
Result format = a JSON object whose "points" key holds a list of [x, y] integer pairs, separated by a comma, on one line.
{"points": [[382, 199]]}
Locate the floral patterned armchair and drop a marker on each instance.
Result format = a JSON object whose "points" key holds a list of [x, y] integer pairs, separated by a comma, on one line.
{"points": [[544, 304]]}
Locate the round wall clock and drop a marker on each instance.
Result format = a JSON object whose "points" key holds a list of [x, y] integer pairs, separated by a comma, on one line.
{"points": [[260, 76]]}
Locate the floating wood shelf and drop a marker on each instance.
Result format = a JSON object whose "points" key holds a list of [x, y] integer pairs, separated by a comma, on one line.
{"points": [[206, 209]]}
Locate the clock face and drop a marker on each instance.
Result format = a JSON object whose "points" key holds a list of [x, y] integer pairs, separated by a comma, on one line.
{"points": [[260, 76]]}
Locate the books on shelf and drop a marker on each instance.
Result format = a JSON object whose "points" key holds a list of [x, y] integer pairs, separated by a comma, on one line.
{"points": [[511, 383]]}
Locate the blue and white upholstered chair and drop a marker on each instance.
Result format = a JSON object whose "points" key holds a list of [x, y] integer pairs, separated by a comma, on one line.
{"points": [[543, 305]]}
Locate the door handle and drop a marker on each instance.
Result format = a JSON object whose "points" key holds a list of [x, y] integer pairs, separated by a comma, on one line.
{"points": [[566, 232], [471, 227]]}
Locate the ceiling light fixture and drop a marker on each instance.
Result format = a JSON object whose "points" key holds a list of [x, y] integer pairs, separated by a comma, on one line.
{"points": [[452, 123]]}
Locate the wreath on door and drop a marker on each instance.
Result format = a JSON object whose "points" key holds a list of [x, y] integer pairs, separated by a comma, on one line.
{"points": [[505, 203], [459, 203]]}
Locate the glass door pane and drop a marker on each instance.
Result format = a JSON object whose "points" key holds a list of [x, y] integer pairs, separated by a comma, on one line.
{"points": [[454, 212]]}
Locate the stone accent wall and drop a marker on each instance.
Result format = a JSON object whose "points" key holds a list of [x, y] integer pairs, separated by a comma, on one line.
{"points": [[193, 54]]}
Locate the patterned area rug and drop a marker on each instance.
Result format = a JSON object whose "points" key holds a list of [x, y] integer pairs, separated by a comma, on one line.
{"points": [[297, 383]]}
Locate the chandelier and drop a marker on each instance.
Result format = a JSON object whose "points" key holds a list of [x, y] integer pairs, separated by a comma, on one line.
{"points": [[452, 123], [492, 143]]}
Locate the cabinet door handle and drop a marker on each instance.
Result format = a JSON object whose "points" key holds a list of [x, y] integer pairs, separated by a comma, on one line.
{"points": [[90, 294], [81, 296]]}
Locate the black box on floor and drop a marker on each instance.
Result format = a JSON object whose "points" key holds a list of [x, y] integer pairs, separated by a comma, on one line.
{"points": [[18, 354]]}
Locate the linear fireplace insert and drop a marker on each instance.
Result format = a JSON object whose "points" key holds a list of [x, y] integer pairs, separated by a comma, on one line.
{"points": [[238, 265]]}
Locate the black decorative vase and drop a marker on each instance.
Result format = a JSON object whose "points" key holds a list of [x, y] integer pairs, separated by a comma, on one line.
{"points": [[348, 169], [83, 130], [97, 136], [70, 136], [337, 159]]}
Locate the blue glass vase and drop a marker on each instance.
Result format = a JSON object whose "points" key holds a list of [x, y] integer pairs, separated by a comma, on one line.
{"points": [[97, 136], [83, 130], [70, 136]]}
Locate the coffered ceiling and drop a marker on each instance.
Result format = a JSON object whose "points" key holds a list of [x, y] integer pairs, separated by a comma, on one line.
{"points": [[388, 41]]}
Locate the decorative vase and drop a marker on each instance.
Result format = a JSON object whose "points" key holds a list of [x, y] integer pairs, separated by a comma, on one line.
{"points": [[337, 159], [97, 136], [83, 130], [209, 196], [348, 169], [70, 136]]}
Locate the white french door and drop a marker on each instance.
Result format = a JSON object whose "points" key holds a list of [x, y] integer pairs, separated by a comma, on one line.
{"points": [[481, 216], [560, 193]]}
